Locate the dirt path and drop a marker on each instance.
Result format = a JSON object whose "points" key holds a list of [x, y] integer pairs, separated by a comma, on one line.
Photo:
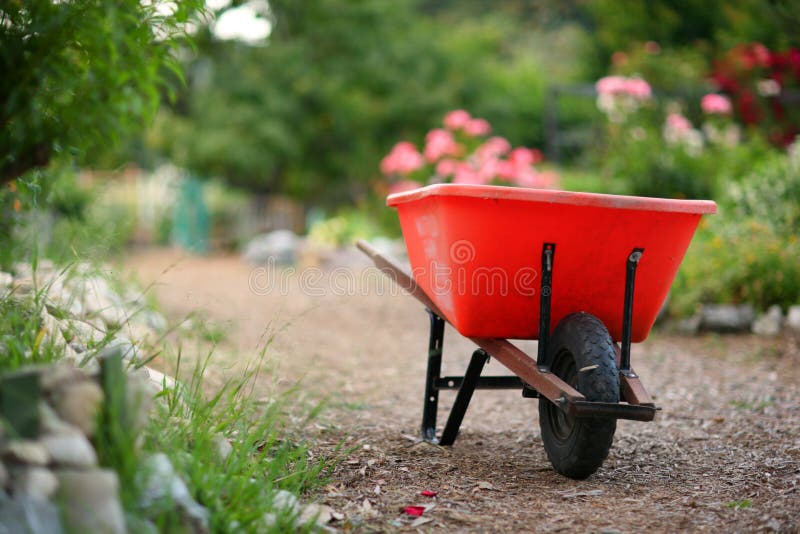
{"points": [[723, 455]]}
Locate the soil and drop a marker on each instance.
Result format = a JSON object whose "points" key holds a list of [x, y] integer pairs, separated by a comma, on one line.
{"points": [[722, 455]]}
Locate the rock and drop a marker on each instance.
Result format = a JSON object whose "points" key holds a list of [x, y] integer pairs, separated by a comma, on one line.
{"points": [[140, 395], [59, 374], [99, 300], [78, 403], [160, 483], [154, 320], [52, 331], [3, 477], [91, 501], [85, 332], [727, 317], [770, 323], [278, 246], [28, 514], [689, 326], [127, 349], [160, 380], [222, 446], [283, 503], [37, 482], [22, 286], [70, 450], [320, 514], [25, 451], [51, 424], [793, 319]]}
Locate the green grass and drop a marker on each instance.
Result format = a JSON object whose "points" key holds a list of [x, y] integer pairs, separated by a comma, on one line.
{"points": [[740, 504], [186, 423], [240, 490]]}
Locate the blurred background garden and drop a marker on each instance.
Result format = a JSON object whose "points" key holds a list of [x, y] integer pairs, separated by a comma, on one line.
{"points": [[277, 116], [175, 139]]}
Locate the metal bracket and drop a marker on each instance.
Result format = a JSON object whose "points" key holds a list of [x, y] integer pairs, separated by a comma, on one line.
{"points": [[450, 432], [627, 313], [431, 404], [546, 290]]}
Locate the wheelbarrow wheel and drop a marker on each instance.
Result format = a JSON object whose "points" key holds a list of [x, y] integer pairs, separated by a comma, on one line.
{"points": [[580, 352]]}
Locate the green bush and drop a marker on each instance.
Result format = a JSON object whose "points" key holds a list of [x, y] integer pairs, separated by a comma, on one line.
{"points": [[750, 252], [738, 261], [652, 168], [770, 193]]}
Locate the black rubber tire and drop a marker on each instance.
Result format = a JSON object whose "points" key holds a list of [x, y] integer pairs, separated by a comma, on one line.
{"points": [[577, 446]]}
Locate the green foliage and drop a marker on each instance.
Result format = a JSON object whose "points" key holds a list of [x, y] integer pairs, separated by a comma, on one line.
{"points": [[749, 251], [21, 336], [770, 193], [345, 228], [652, 168], [312, 112], [738, 261], [51, 214], [238, 491], [718, 24], [77, 75], [104, 230]]}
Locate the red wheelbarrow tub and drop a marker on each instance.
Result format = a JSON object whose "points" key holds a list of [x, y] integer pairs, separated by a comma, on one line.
{"points": [[476, 252]]}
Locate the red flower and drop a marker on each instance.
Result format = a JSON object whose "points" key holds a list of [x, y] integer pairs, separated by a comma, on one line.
{"points": [[748, 108], [414, 511]]}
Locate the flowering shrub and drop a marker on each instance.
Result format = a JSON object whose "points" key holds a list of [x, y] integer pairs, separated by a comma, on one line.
{"points": [[756, 78], [617, 96], [463, 153]]}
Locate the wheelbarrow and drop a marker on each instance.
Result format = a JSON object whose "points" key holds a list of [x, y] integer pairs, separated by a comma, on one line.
{"points": [[502, 263]]}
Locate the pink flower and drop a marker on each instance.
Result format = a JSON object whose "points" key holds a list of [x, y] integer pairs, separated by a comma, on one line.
{"points": [[476, 127], [465, 174], [619, 85], [402, 186], [716, 104], [638, 88], [492, 148], [506, 170], [488, 170], [456, 120], [446, 167], [527, 178], [439, 143], [610, 85], [678, 123], [403, 159], [525, 156]]}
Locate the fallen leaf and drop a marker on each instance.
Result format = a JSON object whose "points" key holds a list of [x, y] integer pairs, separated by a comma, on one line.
{"points": [[485, 486], [428, 493], [377, 490], [421, 521], [414, 511]]}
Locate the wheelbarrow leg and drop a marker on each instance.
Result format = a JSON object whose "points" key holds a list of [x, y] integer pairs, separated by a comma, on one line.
{"points": [[431, 403], [479, 359]]}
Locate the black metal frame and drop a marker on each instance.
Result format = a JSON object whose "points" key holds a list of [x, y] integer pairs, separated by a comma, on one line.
{"points": [[472, 379]]}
